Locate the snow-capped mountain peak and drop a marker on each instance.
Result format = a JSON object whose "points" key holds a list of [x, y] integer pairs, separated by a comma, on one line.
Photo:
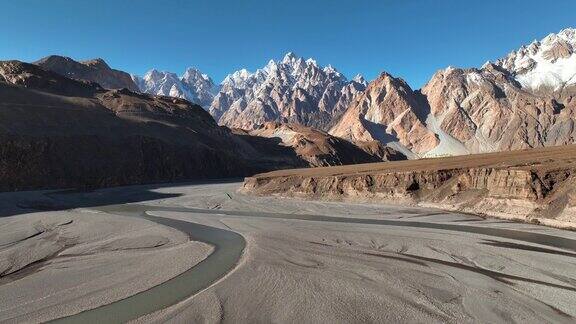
{"points": [[193, 74], [549, 63], [291, 89], [237, 79], [359, 78], [290, 57], [271, 66], [193, 86], [311, 61]]}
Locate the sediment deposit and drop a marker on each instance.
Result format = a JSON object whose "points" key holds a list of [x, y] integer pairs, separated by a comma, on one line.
{"points": [[530, 185]]}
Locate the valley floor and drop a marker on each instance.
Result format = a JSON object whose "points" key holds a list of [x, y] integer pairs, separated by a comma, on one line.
{"points": [[294, 260]]}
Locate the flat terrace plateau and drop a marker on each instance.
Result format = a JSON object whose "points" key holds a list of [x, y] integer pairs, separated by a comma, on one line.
{"points": [[535, 185], [540, 159], [205, 253]]}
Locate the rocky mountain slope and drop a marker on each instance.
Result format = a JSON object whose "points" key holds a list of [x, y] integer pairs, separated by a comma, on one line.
{"points": [[93, 70], [524, 100], [537, 185], [193, 85], [59, 132], [292, 90], [318, 148], [548, 65], [388, 111]]}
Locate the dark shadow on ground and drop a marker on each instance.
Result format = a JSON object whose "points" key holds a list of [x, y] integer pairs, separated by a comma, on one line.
{"points": [[16, 203]]}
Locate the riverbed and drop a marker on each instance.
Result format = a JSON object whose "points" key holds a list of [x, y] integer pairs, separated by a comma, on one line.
{"points": [[205, 253]]}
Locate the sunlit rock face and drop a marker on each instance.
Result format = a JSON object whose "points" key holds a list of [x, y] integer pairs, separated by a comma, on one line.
{"points": [[291, 90], [524, 100]]}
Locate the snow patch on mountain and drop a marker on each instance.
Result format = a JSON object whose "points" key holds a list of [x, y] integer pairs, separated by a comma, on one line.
{"points": [[546, 64], [193, 85], [448, 146], [289, 90]]}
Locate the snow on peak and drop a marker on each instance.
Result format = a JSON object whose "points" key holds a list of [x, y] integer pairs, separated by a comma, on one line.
{"points": [[271, 66], [549, 63], [311, 61], [270, 92], [359, 78], [290, 57], [193, 86], [329, 69], [238, 78]]}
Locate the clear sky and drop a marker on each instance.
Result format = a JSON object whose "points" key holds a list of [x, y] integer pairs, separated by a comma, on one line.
{"points": [[408, 38]]}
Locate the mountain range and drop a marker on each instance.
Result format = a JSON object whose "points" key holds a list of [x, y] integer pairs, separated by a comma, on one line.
{"points": [[193, 85], [291, 90], [66, 130], [523, 100]]}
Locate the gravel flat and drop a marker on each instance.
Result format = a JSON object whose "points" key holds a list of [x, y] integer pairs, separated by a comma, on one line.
{"points": [[303, 261]]}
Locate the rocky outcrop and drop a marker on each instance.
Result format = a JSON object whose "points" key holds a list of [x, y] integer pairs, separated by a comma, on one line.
{"points": [[318, 148], [292, 90], [93, 70], [531, 185], [388, 111], [487, 110]]}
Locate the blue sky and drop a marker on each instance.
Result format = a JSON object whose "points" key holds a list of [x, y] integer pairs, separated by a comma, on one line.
{"points": [[408, 38]]}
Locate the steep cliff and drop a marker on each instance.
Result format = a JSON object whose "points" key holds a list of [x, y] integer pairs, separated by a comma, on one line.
{"points": [[536, 185]]}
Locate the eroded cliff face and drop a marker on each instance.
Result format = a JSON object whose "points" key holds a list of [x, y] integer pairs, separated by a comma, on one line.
{"points": [[532, 185]]}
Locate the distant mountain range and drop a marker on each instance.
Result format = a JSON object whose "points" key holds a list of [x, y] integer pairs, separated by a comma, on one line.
{"points": [[526, 99], [291, 90], [193, 85]]}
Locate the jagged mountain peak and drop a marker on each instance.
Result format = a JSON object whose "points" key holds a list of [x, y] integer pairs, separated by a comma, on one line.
{"points": [[359, 78], [193, 85], [194, 73], [238, 78], [290, 57], [291, 89], [549, 63]]}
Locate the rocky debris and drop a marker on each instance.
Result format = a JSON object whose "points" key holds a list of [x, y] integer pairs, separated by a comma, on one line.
{"points": [[531, 185], [95, 70]]}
